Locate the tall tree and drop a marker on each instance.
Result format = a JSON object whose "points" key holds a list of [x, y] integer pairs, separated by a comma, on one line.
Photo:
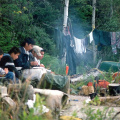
{"points": [[93, 27]]}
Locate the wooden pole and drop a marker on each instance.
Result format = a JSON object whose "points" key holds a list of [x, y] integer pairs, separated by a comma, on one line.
{"points": [[93, 27], [65, 27], [65, 16]]}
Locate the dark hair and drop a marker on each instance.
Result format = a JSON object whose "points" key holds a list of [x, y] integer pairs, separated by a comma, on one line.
{"points": [[14, 50], [31, 50], [1, 52], [29, 41]]}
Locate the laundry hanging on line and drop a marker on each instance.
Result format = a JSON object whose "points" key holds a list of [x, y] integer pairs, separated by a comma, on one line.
{"points": [[101, 37], [79, 45], [115, 41], [91, 36]]}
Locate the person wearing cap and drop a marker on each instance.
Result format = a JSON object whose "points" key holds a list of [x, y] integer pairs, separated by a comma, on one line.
{"points": [[23, 59], [38, 54]]}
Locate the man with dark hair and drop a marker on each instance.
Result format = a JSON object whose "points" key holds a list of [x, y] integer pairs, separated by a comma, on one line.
{"points": [[23, 59], [29, 41], [7, 61]]}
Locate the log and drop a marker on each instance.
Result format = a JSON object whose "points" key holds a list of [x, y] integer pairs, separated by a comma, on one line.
{"points": [[10, 102], [55, 99], [110, 100]]}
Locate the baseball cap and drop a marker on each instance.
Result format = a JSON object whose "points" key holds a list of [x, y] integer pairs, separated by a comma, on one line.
{"points": [[38, 49], [41, 49]]}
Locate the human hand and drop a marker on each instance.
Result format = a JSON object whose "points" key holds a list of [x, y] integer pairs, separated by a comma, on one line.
{"points": [[41, 65], [6, 70], [34, 63]]}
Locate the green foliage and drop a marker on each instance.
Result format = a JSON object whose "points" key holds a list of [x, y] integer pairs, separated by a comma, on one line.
{"points": [[108, 76], [83, 67], [42, 39], [95, 101], [107, 15], [54, 64], [97, 115], [14, 23], [74, 114], [38, 107], [45, 12], [82, 82], [22, 112]]}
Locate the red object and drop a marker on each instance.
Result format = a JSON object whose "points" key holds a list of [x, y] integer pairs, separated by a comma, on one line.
{"points": [[115, 75], [90, 84], [67, 69], [102, 84]]}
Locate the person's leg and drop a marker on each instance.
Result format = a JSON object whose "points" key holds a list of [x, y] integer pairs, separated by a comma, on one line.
{"points": [[16, 80], [11, 76]]}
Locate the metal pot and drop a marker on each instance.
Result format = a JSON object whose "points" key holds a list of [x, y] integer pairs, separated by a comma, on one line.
{"points": [[114, 89]]}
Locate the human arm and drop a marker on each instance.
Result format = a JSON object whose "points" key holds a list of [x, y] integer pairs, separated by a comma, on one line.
{"points": [[7, 64]]}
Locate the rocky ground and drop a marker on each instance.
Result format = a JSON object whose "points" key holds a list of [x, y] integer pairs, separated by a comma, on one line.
{"points": [[76, 103]]}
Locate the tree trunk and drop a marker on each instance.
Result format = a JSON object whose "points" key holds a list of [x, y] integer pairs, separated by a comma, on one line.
{"points": [[93, 27], [65, 16], [65, 27], [111, 9]]}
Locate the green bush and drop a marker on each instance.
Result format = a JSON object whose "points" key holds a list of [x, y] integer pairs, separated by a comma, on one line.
{"points": [[92, 114], [54, 64]]}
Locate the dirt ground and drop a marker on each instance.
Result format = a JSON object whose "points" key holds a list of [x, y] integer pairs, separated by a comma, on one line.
{"points": [[77, 102]]}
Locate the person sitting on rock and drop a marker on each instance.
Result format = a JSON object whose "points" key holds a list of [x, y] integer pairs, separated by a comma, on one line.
{"points": [[23, 59], [37, 55], [7, 63]]}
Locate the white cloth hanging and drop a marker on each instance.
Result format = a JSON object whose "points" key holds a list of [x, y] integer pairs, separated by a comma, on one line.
{"points": [[91, 37], [79, 45]]}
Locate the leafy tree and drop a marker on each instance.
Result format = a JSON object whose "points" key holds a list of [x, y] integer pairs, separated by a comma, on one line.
{"points": [[14, 23], [107, 15]]}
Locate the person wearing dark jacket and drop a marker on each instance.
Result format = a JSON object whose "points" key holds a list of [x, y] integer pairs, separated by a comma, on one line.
{"points": [[5, 72], [7, 61], [23, 59]]}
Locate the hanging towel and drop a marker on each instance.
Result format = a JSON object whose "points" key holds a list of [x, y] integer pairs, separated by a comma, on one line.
{"points": [[91, 37], [79, 45]]}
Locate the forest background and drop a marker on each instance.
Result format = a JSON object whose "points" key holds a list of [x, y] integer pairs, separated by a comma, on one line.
{"points": [[39, 19]]}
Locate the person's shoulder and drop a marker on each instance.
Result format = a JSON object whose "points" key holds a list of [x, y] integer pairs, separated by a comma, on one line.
{"points": [[6, 54], [6, 57], [21, 49]]}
